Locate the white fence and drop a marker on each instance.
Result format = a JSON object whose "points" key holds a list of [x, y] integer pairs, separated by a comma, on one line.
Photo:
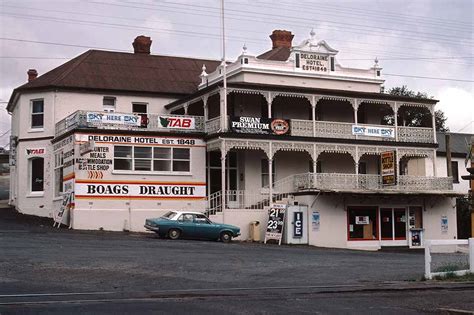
{"points": [[448, 249]]}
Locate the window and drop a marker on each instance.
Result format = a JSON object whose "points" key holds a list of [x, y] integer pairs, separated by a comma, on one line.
{"points": [[37, 174], [186, 217], [158, 159], [362, 223], [139, 108], [265, 174], [109, 104], [333, 66], [37, 114], [297, 61], [455, 169], [58, 173]]}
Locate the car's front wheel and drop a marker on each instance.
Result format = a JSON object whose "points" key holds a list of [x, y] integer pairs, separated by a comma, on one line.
{"points": [[225, 237], [174, 234]]}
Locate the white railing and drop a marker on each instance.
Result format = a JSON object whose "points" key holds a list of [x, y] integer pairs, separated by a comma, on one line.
{"points": [[214, 202], [416, 134], [213, 125], [299, 127], [429, 244], [79, 120], [368, 182]]}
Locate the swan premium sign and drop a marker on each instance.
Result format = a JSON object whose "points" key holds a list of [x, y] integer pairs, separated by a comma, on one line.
{"points": [[257, 125]]}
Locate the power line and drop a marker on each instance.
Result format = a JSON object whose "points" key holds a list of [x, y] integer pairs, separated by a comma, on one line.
{"points": [[429, 78]]}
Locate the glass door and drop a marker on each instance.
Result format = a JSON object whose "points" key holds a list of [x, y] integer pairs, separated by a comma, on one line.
{"points": [[400, 223], [386, 224]]}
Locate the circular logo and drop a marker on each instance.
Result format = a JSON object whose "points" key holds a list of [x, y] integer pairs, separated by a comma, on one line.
{"points": [[280, 126]]}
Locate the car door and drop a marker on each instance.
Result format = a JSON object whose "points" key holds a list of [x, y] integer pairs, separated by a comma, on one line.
{"points": [[186, 224], [204, 227]]}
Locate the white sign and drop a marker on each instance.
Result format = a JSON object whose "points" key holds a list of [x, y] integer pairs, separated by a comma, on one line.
{"points": [[176, 122], [86, 147], [140, 140], [316, 220], [362, 220], [150, 190], [35, 151], [444, 224], [373, 131], [314, 62], [113, 118]]}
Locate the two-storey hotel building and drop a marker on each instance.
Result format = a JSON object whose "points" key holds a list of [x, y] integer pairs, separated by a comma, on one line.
{"points": [[116, 138]]}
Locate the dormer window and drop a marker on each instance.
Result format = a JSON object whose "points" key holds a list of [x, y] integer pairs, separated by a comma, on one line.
{"points": [[109, 104], [378, 73], [333, 64], [297, 60]]}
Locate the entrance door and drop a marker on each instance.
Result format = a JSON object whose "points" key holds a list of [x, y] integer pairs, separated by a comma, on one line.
{"points": [[400, 223], [214, 165], [386, 224]]}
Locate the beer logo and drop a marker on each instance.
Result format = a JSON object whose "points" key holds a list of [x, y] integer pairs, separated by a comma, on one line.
{"points": [[280, 126]]}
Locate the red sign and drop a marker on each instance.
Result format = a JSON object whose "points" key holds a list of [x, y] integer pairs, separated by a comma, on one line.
{"points": [[176, 122]]}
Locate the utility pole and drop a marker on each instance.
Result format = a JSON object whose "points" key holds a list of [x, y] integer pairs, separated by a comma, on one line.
{"points": [[470, 177]]}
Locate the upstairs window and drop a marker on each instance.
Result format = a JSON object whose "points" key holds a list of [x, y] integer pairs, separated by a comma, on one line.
{"points": [[454, 168], [37, 114], [333, 65], [108, 104], [139, 108]]}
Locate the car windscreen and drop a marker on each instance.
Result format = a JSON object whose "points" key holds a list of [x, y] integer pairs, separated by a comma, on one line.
{"points": [[168, 215]]}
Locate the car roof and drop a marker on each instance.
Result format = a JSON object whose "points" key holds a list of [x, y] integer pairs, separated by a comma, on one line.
{"points": [[190, 212]]}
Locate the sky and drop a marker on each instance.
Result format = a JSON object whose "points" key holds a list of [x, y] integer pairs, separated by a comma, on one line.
{"points": [[427, 45]]}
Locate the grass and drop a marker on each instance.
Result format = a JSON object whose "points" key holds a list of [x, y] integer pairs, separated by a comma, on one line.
{"points": [[449, 268], [451, 276]]}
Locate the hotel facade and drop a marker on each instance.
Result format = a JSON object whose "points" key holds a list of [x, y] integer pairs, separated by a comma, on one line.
{"points": [[109, 139]]}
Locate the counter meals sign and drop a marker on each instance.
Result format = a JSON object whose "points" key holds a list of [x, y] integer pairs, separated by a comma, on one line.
{"points": [[373, 131], [257, 125]]}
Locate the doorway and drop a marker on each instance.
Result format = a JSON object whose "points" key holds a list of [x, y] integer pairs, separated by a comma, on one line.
{"points": [[214, 171], [393, 224]]}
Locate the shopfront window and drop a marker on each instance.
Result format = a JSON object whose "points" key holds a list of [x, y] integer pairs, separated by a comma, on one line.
{"points": [[362, 223]]}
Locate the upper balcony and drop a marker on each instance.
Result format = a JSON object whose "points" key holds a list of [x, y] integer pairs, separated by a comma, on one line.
{"points": [[126, 121]]}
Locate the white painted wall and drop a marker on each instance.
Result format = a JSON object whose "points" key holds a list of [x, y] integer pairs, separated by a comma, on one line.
{"points": [[442, 171]]}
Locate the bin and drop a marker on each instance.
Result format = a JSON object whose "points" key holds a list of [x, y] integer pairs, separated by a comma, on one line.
{"points": [[255, 231]]}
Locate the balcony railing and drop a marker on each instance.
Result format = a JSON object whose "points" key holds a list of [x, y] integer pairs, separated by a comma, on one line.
{"points": [[126, 121], [366, 182], [343, 130]]}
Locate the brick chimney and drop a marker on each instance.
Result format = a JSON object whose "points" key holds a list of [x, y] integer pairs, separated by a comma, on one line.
{"points": [[281, 38], [32, 74], [142, 45]]}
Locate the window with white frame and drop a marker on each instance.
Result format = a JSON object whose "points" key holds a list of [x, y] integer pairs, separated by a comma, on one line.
{"points": [[36, 174], [158, 159], [37, 113], [58, 174], [139, 108], [266, 174], [108, 104]]}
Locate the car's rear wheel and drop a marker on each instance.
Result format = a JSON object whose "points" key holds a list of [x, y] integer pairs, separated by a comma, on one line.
{"points": [[174, 234], [225, 237]]}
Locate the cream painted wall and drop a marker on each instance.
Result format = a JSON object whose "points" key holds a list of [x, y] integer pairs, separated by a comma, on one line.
{"points": [[463, 185]]}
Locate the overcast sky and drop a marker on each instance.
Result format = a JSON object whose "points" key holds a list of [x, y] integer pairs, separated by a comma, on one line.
{"points": [[411, 38]]}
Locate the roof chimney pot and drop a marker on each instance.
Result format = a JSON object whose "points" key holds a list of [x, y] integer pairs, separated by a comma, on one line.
{"points": [[281, 38], [142, 45], [32, 74]]}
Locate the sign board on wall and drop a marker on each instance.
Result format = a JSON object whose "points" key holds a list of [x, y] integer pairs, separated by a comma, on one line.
{"points": [[373, 131], [181, 141], [276, 222], [258, 125], [316, 220], [133, 190], [444, 224], [114, 118], [176, 122], [314, 62], [388, 168], [86, 147], [35, 152], [362, 220]]}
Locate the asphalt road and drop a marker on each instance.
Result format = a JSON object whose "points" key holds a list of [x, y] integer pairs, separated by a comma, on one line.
{"points": [[50, 271]]}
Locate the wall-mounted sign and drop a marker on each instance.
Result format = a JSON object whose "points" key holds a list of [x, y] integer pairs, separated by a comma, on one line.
{"points": [[113, 118], [145, 190], [362, 219], [316, 220], [86, 147], [444, 224], [257, 125], [388, 168], [276, 221], [373, 131], [314, 62], [35, 151], [298, 224], [176, 122], [140, 140]]}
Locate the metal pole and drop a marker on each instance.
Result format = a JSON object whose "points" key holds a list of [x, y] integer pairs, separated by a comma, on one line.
{"points": [[224, 65]]}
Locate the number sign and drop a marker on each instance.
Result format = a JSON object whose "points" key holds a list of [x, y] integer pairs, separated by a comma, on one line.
{"points": [[276, 221]]}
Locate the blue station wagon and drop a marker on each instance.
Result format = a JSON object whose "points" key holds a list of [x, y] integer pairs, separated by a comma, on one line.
{"points": [[186, 224]]}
